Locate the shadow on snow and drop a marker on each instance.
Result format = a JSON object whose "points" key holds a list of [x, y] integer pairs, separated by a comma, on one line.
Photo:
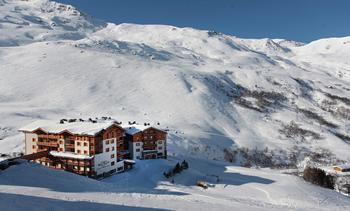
{"points": [[17, 202]]}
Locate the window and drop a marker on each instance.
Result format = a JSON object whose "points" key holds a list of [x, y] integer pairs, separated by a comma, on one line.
{"points": [[81, 168], [33, 146], [78, 151], [87, 169], [107, 142], [33, 139], [112, 141], [61, 142], [85, 144], [137, 150], [112, 148], [120, 169], [112, 155], [112, 163], [138, 144], [78, 143], [60, 149], [151, 136], [85, 152], [107, 149], [160, 148]]}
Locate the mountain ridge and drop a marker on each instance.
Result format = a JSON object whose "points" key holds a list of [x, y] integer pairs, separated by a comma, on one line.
{"points": [[218, 94]]}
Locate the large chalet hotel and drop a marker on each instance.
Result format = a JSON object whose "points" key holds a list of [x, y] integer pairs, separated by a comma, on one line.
{"points": [[92, 147]]}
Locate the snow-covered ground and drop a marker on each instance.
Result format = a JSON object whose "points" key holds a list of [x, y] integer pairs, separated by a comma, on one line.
{"points": [[213, 91], [249, 101], [145, 188]]}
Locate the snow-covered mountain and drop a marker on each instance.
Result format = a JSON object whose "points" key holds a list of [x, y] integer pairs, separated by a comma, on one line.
{"points": [[217, 94]]}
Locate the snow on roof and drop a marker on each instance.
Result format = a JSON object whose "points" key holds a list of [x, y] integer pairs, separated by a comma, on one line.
{"points": [[78, 127], [70, 155], [129, 161], [135, 128], [81, 127]]}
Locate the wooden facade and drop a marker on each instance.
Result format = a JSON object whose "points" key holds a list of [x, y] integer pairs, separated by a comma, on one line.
{"points": [[66, 141], [149, 138], [79, 153]]}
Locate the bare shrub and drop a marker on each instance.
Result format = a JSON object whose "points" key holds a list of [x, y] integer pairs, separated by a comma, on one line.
{"points": [[265, 101], [292, 130], [335, 97], [318, 118]]}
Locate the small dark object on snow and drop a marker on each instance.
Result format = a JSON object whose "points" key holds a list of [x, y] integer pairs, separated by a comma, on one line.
{"points": [[72, 120], [184, 164]]}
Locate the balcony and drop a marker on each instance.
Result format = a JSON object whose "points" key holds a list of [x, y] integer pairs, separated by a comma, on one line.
{"points": [[48, 136], [69, 145], [149, 147], [47, 144]]}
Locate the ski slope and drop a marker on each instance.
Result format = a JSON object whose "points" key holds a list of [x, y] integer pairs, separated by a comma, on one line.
{"points": [[145, 188]]}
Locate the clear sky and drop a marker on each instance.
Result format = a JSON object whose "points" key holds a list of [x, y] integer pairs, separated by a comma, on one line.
{"points": [[301, 20]]}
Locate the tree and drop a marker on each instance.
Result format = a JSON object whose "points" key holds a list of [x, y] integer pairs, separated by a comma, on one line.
{"points": [[318, 177], [184, 164], [177, 169]]}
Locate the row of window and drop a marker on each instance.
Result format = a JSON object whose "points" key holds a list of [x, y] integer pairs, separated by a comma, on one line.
{"points": [[138, 149], [113, 134], [151, 142], [112, 149], [81, 168], [79, 144], [109, 142], [83, 138], [85, 152]]}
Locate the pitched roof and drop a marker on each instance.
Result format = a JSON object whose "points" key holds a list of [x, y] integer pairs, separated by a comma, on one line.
{"points": [[78, 127], [133, 129], [81, 127]]}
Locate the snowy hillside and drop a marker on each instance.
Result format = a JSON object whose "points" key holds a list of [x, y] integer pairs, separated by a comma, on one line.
{"points": [[219, 95], [23, 22], [145, 188]]}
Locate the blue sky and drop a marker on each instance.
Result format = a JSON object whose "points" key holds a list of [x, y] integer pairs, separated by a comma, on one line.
{"points": [[301, 20]]}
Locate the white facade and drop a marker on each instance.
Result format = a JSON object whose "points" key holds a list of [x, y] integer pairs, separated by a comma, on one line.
{"points": [[30, 142], [107, 160], [136, 149], [161, 147]]}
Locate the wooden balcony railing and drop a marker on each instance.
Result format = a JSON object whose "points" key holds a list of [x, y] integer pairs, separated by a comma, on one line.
{"points": [[149, 147], [47, 144], [69, 145], [49, 136]]}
